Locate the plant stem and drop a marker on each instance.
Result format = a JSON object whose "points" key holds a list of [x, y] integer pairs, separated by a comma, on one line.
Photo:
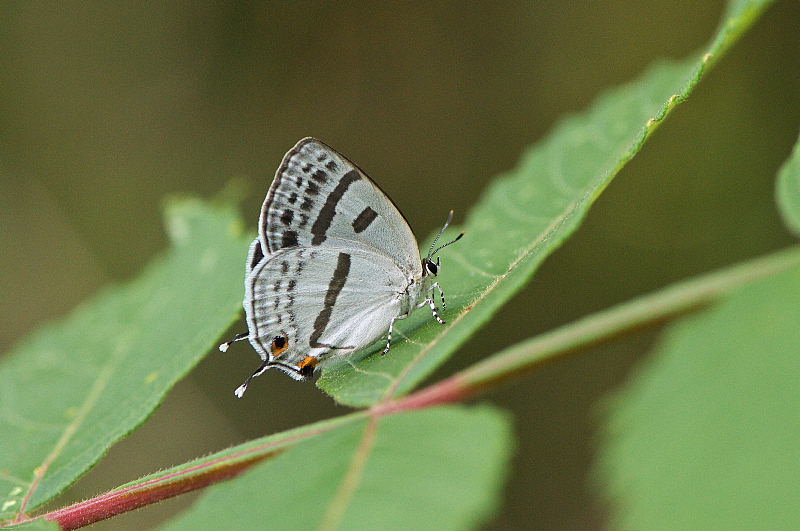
{"points": [[121, 501], [597, 328], [511, 362], [190, 476]]}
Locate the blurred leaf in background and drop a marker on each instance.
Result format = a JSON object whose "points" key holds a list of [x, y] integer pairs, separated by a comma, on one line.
{"points": [[105, 109], [75, 388], [705, 436], [788, 190]]}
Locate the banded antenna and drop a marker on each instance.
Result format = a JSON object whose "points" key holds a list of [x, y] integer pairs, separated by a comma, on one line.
{"points": [[431, 252]]}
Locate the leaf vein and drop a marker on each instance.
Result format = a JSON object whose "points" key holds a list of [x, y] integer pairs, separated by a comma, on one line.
{"points": [[546, 234], [70, 429], [352, 478]]}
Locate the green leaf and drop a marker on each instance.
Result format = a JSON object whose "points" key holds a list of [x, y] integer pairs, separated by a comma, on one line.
{"points": [[706, 435], [434, 469], [40, 524], [788, 190], [195, 474], [525, 215], [75, 387], [605, 325]]}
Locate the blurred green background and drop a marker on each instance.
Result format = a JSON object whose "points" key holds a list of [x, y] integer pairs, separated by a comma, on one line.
{"points": [[106, 108]]}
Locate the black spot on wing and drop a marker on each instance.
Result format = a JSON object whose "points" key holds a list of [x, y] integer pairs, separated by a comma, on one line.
{"points": [[312, 188], [320, 176], [364, 219], [289, 239], [293, 198], [328, 210], [307, 205], [286, 217], [307, 371]]}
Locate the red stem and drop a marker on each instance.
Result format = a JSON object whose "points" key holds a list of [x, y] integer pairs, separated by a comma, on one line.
{"points": [[161, 488], [121, 501], [449, 390]]}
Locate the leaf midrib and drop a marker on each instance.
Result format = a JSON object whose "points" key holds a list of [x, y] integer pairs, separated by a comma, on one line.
{"points": [[352, 479], [70, 429], [391, 391]]}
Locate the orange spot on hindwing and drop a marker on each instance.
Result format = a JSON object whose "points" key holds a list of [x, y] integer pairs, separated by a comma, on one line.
{"points": [[279, 345], [308, 361], [307, 366]]}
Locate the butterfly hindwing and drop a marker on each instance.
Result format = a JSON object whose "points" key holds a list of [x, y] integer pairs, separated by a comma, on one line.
{"points": [[325, 300], [319, 195]]}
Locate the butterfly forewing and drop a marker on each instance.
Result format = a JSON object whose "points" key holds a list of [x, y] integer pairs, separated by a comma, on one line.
{"points": [[318, 195], [330, 299]]}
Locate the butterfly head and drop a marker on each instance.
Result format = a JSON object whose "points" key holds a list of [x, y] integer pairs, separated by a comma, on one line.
{"points": [[429, 267]]}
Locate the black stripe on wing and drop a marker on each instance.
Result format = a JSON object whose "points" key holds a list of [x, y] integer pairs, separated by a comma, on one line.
{"points": [[328, 210], [364, 219], [305, 196], [335, 287]]}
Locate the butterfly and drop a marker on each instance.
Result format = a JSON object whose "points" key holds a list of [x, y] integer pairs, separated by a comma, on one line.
{"points": [[334, 266]]}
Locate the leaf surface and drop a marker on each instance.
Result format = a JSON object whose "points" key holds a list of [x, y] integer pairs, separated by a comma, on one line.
{"points": [[788, 190], [705, 436], [75, 387], [40, 524], [526, 214], [440, 468]]}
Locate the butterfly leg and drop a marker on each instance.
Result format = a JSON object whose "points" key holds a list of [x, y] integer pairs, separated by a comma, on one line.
{"points": [[238, 337], [435, 312], [436, 285], [430, 302], [389, 335]]}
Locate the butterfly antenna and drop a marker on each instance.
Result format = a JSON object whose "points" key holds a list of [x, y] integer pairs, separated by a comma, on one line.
{"points": [[433, 252], [436, 239], [451, 242]]}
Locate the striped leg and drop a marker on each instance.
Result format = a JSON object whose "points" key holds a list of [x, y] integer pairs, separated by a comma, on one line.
{"points": [[430, 302], [389, 335], [434, 311], [436, 285]]}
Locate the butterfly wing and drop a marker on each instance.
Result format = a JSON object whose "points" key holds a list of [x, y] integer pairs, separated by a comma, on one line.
{"points": [[339, 297], [318, 194]]}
